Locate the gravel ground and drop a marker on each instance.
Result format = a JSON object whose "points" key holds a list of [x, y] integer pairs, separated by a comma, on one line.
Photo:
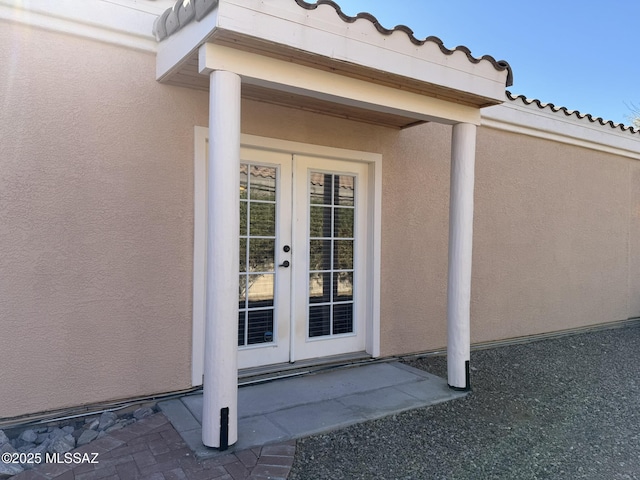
{"points": [[566, 408]]}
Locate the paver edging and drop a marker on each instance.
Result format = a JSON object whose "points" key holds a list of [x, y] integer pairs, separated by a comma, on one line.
{"points": [[274, 460]]}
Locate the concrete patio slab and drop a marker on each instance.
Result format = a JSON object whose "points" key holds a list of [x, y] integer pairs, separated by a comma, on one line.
{"points": [[372, 405], [297, 407], [315, 418], [259, 430]]}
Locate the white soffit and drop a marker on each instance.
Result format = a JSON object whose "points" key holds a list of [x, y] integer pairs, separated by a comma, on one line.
{"points": [[309, 82]]}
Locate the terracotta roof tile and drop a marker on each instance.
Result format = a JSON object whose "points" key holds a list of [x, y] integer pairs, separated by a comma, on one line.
{"points": [[499, 65], [182, 13], [568, 113]]}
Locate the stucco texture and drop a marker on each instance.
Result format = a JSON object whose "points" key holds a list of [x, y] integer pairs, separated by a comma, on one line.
{"points": [[96, 223], [415, 229], [634, 239], [556, 245], [551, 237]]}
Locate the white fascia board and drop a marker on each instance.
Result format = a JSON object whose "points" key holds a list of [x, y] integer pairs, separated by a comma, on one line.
{"points": [[101, 20], [556, 126], [322, 32], [172, 51], [155, 7], [298, 79]]}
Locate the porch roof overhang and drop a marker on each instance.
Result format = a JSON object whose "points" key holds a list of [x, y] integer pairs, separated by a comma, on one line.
{"points": [[313, 57]]}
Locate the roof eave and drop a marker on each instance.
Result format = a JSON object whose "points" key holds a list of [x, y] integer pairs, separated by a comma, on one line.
{"points": [[317, 36]]}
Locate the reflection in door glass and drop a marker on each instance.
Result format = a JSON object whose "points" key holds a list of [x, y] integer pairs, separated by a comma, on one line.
{"points": [[344, 190], [320, 188], [331, 256], [263, 183], [257, 254]]}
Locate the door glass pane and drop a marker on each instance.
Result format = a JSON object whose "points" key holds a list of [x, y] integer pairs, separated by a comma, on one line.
{"points": [[320, 190], [343, 254], [242, 291], [243, 255], [319, 321], [260, 290], [258, 184], [261, 254], [263, 183], [343, 223], [319, 287], [320, 255], [244, 221], [241, 323], [343, 286], [320, 222], [244, 183], [262, 219], [343, 318], [331, 256], [344, 190], [260, 326]]}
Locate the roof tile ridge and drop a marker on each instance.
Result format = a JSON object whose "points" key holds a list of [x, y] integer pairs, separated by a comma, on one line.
{"points": [[499, 65], [568, 113], [180, 14]]}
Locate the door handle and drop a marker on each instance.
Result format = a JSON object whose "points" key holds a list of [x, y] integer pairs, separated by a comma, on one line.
{"points": [[285, 264]]}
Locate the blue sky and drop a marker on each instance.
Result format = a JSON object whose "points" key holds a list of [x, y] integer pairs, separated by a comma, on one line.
{"points": [[583, 55]]}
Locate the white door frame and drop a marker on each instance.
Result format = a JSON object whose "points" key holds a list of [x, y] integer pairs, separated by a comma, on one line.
{"points": [[374, 213]]}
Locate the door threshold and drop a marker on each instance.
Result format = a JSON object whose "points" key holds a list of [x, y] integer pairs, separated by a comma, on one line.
{"points": [[267, 373]]}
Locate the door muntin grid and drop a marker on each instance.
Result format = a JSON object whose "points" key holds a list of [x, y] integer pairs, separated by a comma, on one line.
{"points": [[331, 233], [258, 197]]}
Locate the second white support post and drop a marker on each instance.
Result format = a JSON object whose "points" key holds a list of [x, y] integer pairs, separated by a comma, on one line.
{"points": [[220, 387], [463, 154]]}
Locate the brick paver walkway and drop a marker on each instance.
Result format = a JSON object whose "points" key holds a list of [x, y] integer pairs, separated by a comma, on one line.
{"points": [[151, 449]]}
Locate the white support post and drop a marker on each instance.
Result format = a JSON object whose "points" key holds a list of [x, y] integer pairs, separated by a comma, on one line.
{"points": [[463, 153], [220, 399]]}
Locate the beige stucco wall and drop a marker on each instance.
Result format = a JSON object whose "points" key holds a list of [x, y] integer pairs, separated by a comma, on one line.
{"points": [[556, 245], [556, 238], [415, 240], [96, 222], [551, 244], [634, 239]]}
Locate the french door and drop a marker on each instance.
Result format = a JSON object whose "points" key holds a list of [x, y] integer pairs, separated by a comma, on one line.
{"points": [[303, 246]]}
